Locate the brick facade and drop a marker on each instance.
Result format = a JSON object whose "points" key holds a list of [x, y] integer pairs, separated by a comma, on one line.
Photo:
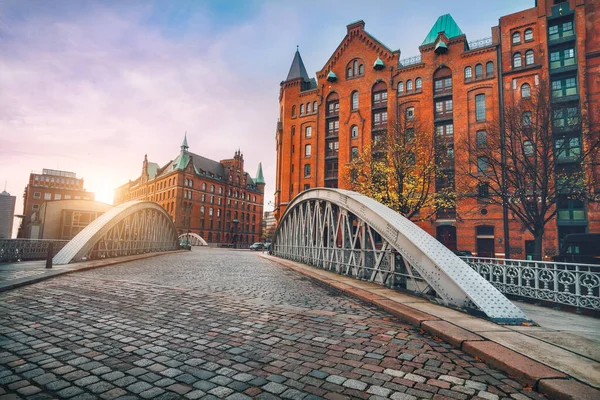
{"points": [[322, 114], [217, 200]]}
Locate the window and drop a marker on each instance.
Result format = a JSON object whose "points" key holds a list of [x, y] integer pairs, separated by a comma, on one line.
{"points": [[35, 207], [489, 69], [67, 197], [400, 87], [212, 188], [442, 80], [526, 118], [308, 111], [567, 148], [418, 83], [354, 131], [333, 127], [410, 113], [301, 109], [355, 68], [445, 131], [443, 108], [210, 212], [37, 195], [306, 187], [315, 107], [308, 132], [380, 95], [529, 57], [525, 91], [47, 196], [528, 34], [560, 30], [527, 148], [410, 134], [483, 191], [468, 73], [306, 170], [409, 86], [354, 101], [354, 153], [480, 107], [479, 71], [307, 150], [516, 38], [481, 138], [380, 119], [482, 165], [201, 209], [562, 58], [203, 186], [564, 87], [516, 60], [333, 105], [332, 148], [57, 196], [565, 117]]}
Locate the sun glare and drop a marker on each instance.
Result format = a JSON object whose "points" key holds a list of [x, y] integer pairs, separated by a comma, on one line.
{"points": [[104, 194]]}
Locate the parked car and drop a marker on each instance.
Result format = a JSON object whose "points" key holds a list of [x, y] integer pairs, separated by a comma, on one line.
{"points": [[257, 246], [580, 248], [463, 253]]}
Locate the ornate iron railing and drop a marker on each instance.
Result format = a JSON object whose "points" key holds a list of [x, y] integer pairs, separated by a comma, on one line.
{"points": [[409, 61], [576, 285], [479, 43], [27, 249]]}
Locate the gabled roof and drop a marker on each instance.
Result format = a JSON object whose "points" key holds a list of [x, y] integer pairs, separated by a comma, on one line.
{"points": [[259, 174], [297, 69], [445, 24]]}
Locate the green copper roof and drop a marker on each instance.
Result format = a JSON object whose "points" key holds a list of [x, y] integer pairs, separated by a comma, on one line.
{"points": [[259, 174], [185, 144], [331, 76], [445, 24], [181, 161], [152, 169], [441, 46], [378, 64]]}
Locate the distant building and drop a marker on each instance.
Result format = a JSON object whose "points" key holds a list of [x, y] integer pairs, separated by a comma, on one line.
{"points": [[7, 214], [64, 219], [50, 185], [270, 221], [217, 200]]}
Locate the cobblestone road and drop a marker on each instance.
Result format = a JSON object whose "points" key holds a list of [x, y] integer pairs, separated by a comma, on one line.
{"points": [[221, 324]]}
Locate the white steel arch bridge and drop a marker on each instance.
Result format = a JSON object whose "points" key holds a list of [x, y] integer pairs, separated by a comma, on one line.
{"points": [[193, 239], [346, 232], [134, 227]]}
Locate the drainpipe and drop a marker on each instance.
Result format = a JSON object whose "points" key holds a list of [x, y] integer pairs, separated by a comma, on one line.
{"points": [[503, 188]]}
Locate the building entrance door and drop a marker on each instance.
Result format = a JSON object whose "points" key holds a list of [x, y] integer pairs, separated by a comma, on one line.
{"points": [[446, 234]]}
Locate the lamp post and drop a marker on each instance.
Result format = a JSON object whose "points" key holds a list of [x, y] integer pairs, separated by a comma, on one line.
{"points": [[235, 234]]}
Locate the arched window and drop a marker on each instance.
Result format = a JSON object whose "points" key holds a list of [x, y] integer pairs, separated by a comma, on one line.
{"points": [[516, 38], [528, 34], [479, 71], [442, 80], [354, 131], [468, 73], [516, 60], [333, 104], [418, 83], [212, 188], [301, 109], [202, 210], [210, 212], [361, 69], [379, 94], [307, 150], [315, 106], [529, 57], [355, 100], [400, 87], [293, 111], [489, 68], [203, 186], [409, 86], [308, 108], [308, 132], [525, 91], [306, 170], [355, 68]]}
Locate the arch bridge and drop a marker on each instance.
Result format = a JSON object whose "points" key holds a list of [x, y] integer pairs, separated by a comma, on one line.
{"points": [[193, 239], [130, 228], [351, 234]]}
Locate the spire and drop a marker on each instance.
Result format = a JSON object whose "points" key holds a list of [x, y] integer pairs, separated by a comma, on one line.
{"points": [[444, 24], [297, 69], [184, 145], [259, 175]]}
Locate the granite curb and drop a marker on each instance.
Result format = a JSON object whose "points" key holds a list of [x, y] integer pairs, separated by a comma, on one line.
{"points": [[540, 377], [51, 273]]}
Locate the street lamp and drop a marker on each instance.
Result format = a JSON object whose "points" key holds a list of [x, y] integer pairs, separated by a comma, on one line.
{"points": [[235, 224]]}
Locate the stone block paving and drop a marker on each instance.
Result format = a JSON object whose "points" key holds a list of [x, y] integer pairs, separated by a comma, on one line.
{"points": [[216, 324]]}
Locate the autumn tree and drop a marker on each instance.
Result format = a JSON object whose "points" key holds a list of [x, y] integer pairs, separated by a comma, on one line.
{"points": [[399, 169], [533, 159]]}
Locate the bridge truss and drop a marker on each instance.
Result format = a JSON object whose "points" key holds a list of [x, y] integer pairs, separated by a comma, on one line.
{"points": [[134, 227], [351, 234], [193, 239]]}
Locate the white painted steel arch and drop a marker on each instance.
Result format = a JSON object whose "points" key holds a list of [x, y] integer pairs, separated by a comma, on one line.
{"points": [[194, 239], [338, 230], [130, 228]]}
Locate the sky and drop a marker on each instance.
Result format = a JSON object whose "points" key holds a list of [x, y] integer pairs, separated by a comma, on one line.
{"points": [[92, 86]]}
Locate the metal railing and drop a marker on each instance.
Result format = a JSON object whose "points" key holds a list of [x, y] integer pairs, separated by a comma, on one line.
{"points": [[27, 249], [479, 43], [409, 61], [576, 285]]}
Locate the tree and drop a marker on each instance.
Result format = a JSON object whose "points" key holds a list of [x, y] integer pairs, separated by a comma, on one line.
{"points": [[537, 154], [399, 169]]}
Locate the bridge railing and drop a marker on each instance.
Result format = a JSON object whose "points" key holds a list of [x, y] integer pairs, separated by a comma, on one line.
{"points": [[27, 249], [576, 285]]}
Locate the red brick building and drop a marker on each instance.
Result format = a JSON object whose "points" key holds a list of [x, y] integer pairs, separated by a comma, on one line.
{"points": [[50, 185], [459, 85], [217, 200]]}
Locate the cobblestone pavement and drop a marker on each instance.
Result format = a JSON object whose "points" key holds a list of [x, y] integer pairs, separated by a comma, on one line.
{"points": [[221, 324]]}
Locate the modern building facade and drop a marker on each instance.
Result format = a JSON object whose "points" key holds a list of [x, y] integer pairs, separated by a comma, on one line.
{"points": [[458, 86], [7, 214], [50, 185], [64, 219], [217, 200]]}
